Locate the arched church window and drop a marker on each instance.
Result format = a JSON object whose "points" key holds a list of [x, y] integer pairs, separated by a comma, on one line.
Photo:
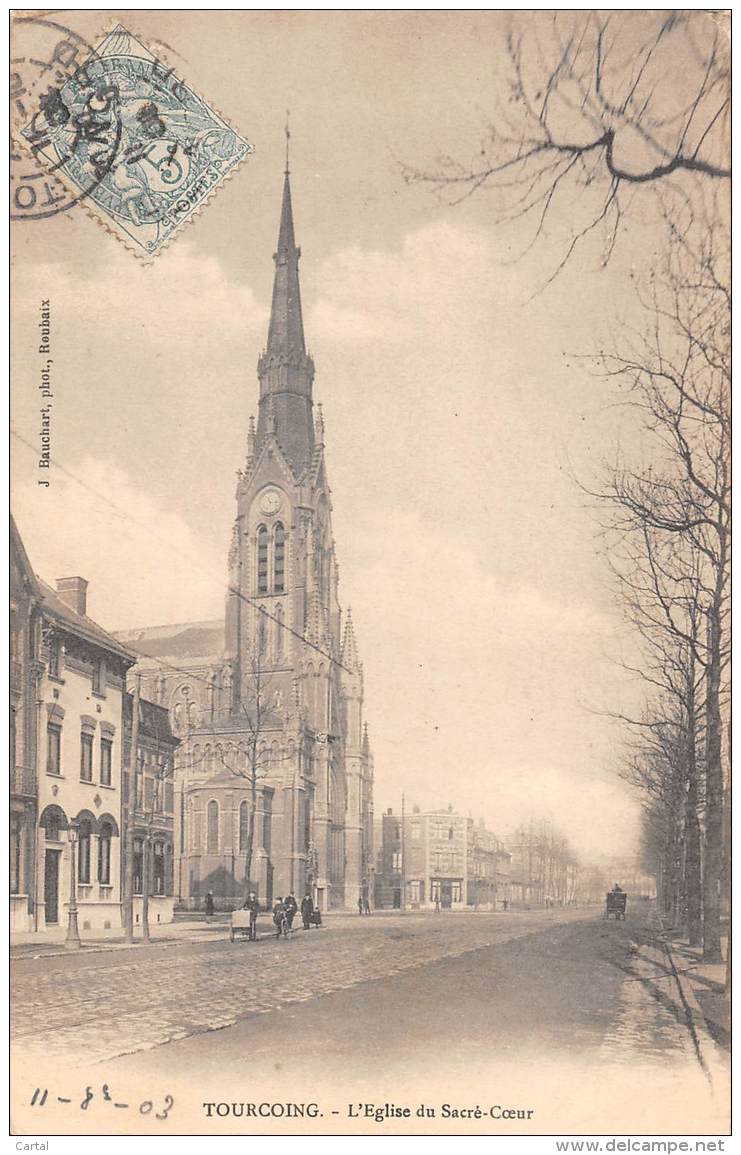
{"points": [[262, 559], [279, 560], [212, 828], [279, 631], [244, 825]]}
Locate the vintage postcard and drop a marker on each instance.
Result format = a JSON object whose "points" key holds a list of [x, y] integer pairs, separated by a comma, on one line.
{"points": [[369, 580]]}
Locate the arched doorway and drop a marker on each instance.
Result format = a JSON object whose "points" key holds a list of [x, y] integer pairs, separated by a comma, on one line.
{"points": [[52, 821]]}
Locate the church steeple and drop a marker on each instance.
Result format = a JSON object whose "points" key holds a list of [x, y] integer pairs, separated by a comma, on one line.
{"points": [[286, 332], [285, 370]]}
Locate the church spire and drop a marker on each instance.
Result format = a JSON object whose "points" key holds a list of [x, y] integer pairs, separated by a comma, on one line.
{"points": [[286, 332], [349, 644], [285, 370]]}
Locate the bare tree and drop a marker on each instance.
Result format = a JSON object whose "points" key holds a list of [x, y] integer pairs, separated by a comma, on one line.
{"points": [[598, 108], [675, 512], [591, 113], [543, 861], [255, 713]]}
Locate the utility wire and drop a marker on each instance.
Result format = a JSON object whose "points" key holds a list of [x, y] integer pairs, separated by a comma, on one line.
{"points": [[230, 589]]}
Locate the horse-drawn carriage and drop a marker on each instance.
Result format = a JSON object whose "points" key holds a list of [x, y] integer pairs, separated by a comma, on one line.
{"points": [[615, 902]]}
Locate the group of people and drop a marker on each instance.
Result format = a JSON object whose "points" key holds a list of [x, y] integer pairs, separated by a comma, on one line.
{"points": [[284, 911], [363, 904]]}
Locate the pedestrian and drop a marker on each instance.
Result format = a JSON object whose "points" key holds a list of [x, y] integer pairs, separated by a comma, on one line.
{"points": [[505, 903], [279, 915], [437, 904], [291, 906], [252, 904], [360, 904], [307, 911], [209, 904], [366, 905]]}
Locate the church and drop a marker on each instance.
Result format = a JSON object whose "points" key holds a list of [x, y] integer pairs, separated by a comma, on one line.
{"points": [[274, 773]]}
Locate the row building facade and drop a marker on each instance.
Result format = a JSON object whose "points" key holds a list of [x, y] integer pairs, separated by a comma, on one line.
{"points": [[69, 721], [438, 859]]}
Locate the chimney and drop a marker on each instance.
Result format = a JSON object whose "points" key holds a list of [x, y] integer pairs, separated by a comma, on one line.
{"points": [[73, 592]]}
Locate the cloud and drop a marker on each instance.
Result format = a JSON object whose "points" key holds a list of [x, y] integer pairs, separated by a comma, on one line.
{"points": [[463, 545], [145, 565], [185, 295], [149, 374], [440, 274]]}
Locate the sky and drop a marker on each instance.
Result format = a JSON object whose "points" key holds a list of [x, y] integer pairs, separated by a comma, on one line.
{"points": [[460, 403]]}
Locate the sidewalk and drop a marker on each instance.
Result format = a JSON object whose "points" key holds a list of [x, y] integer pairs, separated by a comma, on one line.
{"points": [[184, 928], [195, 927], [50, 943], [704, 987]]}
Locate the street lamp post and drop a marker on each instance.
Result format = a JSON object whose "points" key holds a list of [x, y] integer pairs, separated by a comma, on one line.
{"points": [[72, 941]]}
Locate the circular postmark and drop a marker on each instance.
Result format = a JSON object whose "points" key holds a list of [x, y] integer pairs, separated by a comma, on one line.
{"points": [[46, 56]]}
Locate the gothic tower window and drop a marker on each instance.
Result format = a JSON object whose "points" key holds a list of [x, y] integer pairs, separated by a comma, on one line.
{"points": [[279, 632], [262, 631], [279, 560], [310, 700], [262, 559], [212, 828]]}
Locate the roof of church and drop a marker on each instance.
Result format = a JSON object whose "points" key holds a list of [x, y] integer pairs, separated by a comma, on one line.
{"points": [[183, 640]]}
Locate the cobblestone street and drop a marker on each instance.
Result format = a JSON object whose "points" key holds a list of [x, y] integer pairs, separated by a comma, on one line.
{"points": [[367, 1007], [97, 1006]]}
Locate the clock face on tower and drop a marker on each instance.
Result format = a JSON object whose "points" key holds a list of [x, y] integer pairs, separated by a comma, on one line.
{"points": [[270, 501]]}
